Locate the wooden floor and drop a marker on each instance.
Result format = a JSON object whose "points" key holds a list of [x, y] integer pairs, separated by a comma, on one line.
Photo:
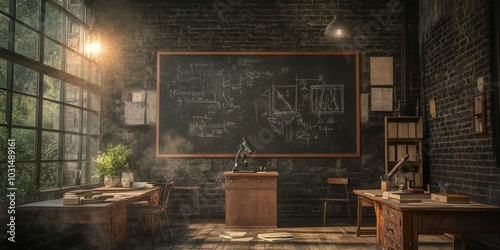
{"points": [[308, 234]]}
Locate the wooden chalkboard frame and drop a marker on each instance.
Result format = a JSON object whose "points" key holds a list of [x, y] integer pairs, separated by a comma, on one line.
{"points": [[347, 56]]}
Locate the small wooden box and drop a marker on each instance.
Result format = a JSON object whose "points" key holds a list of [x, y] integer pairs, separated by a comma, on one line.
{"points": [[451, 198]]}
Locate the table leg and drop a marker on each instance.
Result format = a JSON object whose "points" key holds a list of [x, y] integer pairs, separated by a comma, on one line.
{"points": [[380, 223]]}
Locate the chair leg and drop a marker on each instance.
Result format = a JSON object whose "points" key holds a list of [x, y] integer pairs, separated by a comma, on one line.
{"points": [[349, 210], [151, 216], [324, 212], [159, 226], [168, 224]]}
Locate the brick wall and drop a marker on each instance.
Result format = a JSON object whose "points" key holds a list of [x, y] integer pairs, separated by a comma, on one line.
{"points": [[455, 42], [456, 53], [134, 31]]}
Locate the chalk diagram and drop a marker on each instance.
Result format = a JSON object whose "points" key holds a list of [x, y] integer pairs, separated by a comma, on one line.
{"points": [[301, 111], [286, 112]]}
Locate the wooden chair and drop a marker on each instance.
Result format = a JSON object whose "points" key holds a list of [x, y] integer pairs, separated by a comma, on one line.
{"points": [[330, 197], [152, 212]]}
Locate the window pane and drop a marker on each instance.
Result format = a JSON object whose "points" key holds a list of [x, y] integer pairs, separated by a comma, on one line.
{"points": [[85, 122], [27, 12], [95, 103], [76, 7], [74, 63], [90, 147], [50, 146], [3, 73], [24, 110], [71, 146], [4, 29], [25, 179], [25, 80], [88, 173], [70, 171], [48, 175], [72, 94], [4, 136], [53, 22], [3, 107], [50, 115], [74, 36], [4, 5], [52, 54], [26, 42], [72, 119], [91, 72], [95, 126], [25, 143], [51, 88]]}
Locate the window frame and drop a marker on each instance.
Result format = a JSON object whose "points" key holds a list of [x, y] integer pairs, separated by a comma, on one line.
{"points": [[80, 81]]}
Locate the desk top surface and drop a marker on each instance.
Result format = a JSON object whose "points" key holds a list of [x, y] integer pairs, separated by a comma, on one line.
{"points": [[254, 174], [118, 198], [425, 204]]}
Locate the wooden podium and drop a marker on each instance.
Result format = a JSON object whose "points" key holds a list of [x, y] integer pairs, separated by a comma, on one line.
{"points": [[251, 200]]}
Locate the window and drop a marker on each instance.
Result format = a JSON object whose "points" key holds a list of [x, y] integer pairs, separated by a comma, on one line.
{"points": [[49, 94]]}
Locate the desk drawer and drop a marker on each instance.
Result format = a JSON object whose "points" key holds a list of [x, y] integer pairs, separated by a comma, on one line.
{"points": [[393, 231], [392, 215], [254, 182], [390, 244]]}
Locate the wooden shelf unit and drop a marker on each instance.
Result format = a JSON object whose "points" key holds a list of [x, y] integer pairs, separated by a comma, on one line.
{"points": [[403, 135]]}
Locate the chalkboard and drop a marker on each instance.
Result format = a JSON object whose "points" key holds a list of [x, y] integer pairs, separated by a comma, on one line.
{"points": [[287, 104]]}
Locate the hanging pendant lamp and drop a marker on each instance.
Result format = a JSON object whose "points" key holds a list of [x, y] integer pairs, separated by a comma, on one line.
{"points": [[338, 27]]}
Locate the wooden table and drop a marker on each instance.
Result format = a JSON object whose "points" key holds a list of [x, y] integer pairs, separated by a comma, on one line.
{"points": [[251, 200], [399, 224], [109, 217]]}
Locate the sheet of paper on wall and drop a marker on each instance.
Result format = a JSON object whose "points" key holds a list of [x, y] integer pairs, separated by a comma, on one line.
{"points": [[381, 99], [151, 107], [381, 71], [133, 113]]}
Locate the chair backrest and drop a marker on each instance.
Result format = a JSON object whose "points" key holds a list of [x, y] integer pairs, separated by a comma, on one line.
{"points": [[165, 195], [337, 181]]}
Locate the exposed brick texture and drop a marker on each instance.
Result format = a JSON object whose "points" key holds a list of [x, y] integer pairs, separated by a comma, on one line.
{"points": [[456, 52]]}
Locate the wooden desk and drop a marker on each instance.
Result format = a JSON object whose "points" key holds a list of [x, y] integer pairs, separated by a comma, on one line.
{"points": [[399, 224], [251, 200], [109, 217]]}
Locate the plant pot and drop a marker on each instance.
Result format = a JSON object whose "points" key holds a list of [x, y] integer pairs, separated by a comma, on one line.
{"points": [[112, 181]]}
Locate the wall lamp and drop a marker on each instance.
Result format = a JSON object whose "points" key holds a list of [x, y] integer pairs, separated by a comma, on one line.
{"points": [[338, 27]]}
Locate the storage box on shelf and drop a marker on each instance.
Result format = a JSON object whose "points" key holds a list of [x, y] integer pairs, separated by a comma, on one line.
{"points": [[403, 135]]}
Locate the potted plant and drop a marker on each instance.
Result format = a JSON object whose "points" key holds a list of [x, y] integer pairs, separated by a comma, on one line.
{"points": [[111, 163]]}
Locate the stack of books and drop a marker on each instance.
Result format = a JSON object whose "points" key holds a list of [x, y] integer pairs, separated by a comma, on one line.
{"points": [[96, 198], [404, 197], [75, 197]]}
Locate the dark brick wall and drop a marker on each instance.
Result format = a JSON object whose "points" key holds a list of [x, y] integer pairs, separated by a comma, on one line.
{"points": [[456, 51], [134, 31]]}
